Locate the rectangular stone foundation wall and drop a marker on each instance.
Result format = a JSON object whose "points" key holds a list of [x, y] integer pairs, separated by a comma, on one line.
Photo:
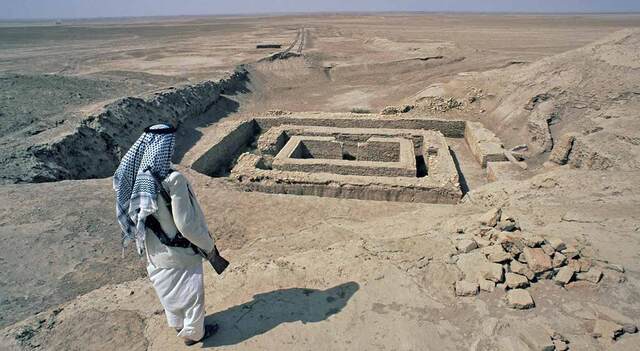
{"points": [[346, 168], [374, 193], [341, 186], [355, 163], [226, 148], [449, 128], [327, 148], [378, 150], [484, 145], [327, 158]]}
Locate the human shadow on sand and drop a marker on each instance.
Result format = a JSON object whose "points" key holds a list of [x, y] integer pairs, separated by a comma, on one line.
{"points": [[268, 310]]}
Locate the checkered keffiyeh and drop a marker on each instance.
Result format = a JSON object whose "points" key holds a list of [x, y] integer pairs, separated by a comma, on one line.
{"points": [[136, 189]]}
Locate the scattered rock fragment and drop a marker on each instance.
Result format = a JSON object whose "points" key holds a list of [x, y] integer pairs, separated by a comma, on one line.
{"points": [[593, 275], [557, 244], [535, 241], [506, 226], [607, 329], [519, 299], [537, 260], [548, 249], [486, 285], [496, 254], [491, 217], [466, 288], [546, 275], [515, 281], [564, 276], [512, 242], [585, 264], [574, 264], [570, 252], [558, 260], [482, 242], [522, 269], [630, 328], [466, 245]]}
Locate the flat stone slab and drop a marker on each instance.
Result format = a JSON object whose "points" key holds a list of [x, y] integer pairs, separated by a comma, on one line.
{"points": [[519, 299], [514, 281], [537, 260]]}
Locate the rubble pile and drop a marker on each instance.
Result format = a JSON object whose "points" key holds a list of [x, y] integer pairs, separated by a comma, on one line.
{"points": [[496, 253]]}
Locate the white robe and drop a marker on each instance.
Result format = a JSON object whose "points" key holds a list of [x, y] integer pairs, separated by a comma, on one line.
{"points": [[181, 293], [176, 273]]}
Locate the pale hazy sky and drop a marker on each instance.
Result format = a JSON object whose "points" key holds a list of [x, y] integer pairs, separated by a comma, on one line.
{"points": [[24, 9]]}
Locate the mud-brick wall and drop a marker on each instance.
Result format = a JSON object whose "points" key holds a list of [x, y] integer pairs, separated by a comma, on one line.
{"points": [[235, 136], [483, 143], [449, 128]]}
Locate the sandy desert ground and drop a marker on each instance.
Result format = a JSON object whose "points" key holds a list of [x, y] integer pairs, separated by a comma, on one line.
{"points": [[311, 272]]}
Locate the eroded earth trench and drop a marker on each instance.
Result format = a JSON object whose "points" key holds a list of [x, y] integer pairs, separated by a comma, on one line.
{"points": [[424, 226]]}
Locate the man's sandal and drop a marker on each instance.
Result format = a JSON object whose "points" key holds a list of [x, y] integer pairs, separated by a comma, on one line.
{"points": [[209, 330]]}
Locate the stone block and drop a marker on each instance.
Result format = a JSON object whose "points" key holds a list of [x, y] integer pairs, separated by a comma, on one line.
{"points": [[585, 264], [570, 252], [564, 276], [557, 244], [486, 285], [506, 226], [466, 245], [548, 249], [466, 288], [537, 260], [519, 299], [515, 281], [522, 269], [630, 328], [534, 241], [593, 275], [495, 253], [491, 217], [482, 242], [558, 260]]}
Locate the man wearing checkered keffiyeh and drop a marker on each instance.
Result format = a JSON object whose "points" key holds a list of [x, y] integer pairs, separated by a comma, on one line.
{"points": [[175, 272], [136, 190]]}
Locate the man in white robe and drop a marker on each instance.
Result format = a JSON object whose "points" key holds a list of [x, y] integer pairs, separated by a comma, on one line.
{"points": [[176, 272]]}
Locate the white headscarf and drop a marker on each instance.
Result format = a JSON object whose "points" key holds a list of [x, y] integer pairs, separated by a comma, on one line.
{"points": [[136, 189]]}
